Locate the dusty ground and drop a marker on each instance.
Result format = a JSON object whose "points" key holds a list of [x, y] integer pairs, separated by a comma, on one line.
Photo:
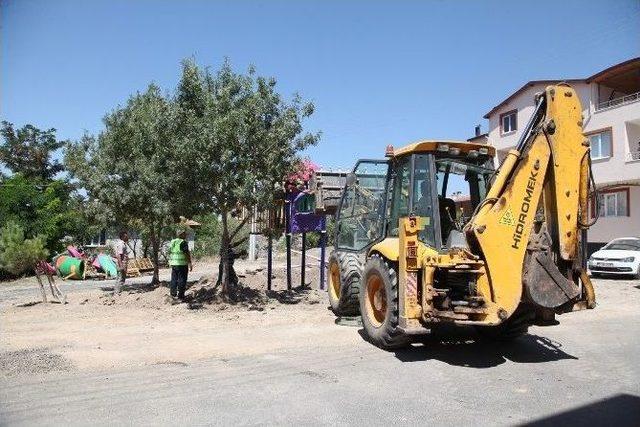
{"points": [[280, 359], [141, 326]]}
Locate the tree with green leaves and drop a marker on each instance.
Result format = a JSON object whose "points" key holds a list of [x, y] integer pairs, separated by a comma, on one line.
{"points": [[30, 151], [51, 209], [242, 138], [32, 195], [224, 142], [131, 170], [17, 254]]}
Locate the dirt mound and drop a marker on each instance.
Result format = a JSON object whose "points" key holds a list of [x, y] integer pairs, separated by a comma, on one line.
{"points": [[206, 294]]}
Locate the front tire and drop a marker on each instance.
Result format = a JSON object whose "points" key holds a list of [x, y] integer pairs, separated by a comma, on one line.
{"points": [[344, 283], [379, 304]]}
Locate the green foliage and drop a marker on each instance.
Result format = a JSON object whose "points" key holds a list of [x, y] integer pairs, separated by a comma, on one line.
{"points": [[240, 135], [17, 254], [224, 141], [30, 196], [129, 171], [51, 209], [209, 236], [242, 139], [28, 151]]}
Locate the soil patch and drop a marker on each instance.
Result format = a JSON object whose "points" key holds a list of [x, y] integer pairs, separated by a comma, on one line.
{"points": [[204, 294]]}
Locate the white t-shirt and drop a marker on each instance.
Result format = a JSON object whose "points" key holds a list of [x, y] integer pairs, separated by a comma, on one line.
{"points": [[122, 253]]}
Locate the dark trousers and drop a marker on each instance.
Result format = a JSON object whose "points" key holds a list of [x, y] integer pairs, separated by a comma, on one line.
{"points": [[178, 280]]}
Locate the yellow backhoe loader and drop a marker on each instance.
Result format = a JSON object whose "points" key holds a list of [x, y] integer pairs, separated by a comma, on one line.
{"points": [[432, 234]]}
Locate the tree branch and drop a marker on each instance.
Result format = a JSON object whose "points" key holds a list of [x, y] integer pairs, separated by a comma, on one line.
{"points": [[239, 242], [239, 227]]}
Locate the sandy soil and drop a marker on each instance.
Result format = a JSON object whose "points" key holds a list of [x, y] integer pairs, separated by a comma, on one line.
{"points": [[141, 326]]}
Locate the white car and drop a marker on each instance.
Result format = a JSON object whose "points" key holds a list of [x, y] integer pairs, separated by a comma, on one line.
{"points": [[619, 256]]}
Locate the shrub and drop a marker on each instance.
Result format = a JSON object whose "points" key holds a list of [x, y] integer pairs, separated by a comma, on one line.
{"points": [[17, 254]]}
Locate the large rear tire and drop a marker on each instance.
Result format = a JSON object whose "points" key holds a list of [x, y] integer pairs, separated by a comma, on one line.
{"points": [[379, 304], [344, 283], [514, 327]]}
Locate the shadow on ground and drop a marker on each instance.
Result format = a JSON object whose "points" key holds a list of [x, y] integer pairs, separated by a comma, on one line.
{"points": [[207, 291], [253, 299], [464, 347], [618, 410]]}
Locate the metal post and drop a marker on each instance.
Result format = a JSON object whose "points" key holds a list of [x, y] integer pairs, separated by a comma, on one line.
{"points": [[269, 260], [304, 259], [287, 217], [323, 244], [253, 238]]}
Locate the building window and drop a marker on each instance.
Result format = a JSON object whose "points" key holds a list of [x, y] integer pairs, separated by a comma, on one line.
{"points": [[614, 203], [509, 122], [600, 144], [99, 239]]}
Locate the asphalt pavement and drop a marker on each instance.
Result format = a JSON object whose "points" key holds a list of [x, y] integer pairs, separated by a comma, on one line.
{"points": [[583, 371]]}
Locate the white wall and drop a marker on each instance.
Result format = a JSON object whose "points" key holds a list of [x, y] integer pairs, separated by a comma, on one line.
{"points": [[608, 228], [524, 103], [621, 120]]}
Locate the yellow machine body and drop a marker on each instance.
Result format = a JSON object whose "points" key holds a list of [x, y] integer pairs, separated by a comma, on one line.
{"points": [[552, 174], [520, 251]]}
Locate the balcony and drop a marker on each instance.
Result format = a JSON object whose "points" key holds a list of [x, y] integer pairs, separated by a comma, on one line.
{"points": [[633, 156], [617, 102]]}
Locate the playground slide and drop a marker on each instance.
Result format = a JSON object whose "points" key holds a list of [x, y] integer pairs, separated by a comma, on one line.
{"points": [[108, 265], [74, 252]]}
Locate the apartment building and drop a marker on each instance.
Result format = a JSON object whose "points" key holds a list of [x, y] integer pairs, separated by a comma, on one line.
{"points": [[611, 111]]}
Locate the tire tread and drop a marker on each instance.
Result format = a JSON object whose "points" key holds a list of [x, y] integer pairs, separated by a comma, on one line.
{"points": [[350, 274]]}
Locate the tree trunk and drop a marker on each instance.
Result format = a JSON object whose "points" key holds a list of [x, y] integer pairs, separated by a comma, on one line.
{"points": [[155, 250], [224, 253]]}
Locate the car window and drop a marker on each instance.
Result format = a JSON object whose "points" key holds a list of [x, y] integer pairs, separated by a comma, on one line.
{"points": [[624, 245]]}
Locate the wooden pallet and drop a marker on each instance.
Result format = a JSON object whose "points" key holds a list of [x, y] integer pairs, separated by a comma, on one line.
{"points": [[133, 272], [144, 264]]}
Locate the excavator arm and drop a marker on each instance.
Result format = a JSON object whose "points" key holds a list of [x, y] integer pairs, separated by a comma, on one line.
{"points": [[528, 228]]}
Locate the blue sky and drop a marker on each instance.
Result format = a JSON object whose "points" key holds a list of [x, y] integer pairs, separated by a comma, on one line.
{"points": [[378, 72]]}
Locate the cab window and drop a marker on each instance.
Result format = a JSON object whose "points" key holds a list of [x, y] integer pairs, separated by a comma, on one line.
{"points": [[423, 198], [400, 198], [360, 220]]}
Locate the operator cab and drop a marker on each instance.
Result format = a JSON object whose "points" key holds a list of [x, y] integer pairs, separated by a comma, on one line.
{"points": [[440, 182]]}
